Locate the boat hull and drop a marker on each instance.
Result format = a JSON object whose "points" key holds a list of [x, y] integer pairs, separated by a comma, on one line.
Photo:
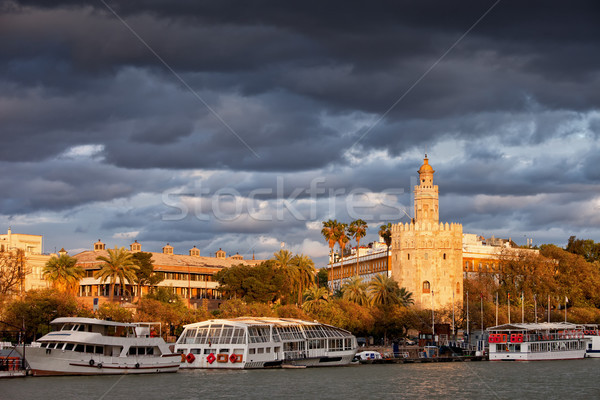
{"points": [[57, 362]]}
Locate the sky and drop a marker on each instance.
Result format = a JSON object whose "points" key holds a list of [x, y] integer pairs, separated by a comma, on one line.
{"points": [[244, 125]]}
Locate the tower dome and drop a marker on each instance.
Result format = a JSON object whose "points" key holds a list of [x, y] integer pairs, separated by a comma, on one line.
{"points": [[426, 168]]}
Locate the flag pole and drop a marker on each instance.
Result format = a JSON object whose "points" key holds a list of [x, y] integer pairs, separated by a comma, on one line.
{"points": [[548, 308], [496, 308], [508, 308], [566, 301], [522, 308], [535, 306], [432, 320], [468, 317], [481, 295], [453, 332]]}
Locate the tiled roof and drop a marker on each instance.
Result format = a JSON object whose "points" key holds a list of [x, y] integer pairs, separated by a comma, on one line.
{"points": [[171, 260]]}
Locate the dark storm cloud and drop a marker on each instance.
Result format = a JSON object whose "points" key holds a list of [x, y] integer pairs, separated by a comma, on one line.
{"points": [[90, 115]]}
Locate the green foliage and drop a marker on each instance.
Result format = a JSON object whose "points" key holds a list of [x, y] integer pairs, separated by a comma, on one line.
{"points": [[165, 295], [290, 311], [385, 231], [238, 308], [322, 277], [168, 314], [355, 291], [145, 274], [37, 309], [262, 283], [63, 272], [585, 248], [114, 312], [118, 265]]}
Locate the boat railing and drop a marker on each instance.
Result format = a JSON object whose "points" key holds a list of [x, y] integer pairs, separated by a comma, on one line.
{"points": [[294, 355]]}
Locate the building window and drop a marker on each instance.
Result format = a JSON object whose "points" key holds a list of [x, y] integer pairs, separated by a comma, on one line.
{"points": [[426, 287], [408, 256], [444, 256], [426, 256]]}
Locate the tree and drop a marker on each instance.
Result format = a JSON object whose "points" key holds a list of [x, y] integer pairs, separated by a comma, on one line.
{"points": [[145, 275], [118, 265], [383, 291], [322, 278], [262, 283], [585, 248], [63, 272], [305, 269], [342, 239], [313, 297], [330, 233], [13, 270], [385, 231], [358, 230], [355, 291], [37, 308]]}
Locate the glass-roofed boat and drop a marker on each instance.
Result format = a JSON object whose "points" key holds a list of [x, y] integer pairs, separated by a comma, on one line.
{"points": [[264, 342]]}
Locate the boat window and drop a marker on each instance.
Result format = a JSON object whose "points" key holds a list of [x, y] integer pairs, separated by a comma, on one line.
{"points": [[238, 336], [252, 351], [67, 327], [89, 349], [81, 328], [276, 349], [44, 345], [268, 349], [69, 346], [226, 335], [202, 335], [258, 334], [261, 350], [188, 336], [80, 348], [51, 345], [99, 350], [208, 351], [223, 350], [214, 334], [196, 351]]}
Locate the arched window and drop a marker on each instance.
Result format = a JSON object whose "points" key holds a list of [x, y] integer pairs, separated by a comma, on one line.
{"points": [[457, 287], [444, 256], [408, 256], [426, 287]]}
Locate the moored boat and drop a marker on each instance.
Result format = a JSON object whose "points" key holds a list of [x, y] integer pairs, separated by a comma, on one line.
{"points": [[591, 333], [88, 346], [534, 342], [242, 343]]}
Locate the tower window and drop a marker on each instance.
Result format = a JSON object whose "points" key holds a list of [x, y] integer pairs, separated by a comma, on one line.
{"points": [[408, 256], [426, 287], [444, 256]]}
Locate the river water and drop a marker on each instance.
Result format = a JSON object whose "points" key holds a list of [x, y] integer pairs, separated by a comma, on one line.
{"points": [[576, 379]]}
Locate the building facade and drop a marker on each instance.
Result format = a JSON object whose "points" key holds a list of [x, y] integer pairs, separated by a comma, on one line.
{"points": [[427, 253], [33, 258], [190, 276]]}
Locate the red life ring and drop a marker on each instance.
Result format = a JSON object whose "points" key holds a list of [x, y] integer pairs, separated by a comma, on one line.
{"points": [[211, 358], [232, 358], [222, 358], [190, 358], [520, 338]]}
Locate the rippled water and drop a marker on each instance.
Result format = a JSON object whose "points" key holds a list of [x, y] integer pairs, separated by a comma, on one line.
{"points": [[482, 380]]}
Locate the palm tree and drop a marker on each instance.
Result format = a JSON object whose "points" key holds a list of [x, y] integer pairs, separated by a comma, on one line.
{"points": [[313, 297], [63, 272], [358, 230], [118, 265], [355, 290], [306, 273], [385, 231], [284, 261], [383, 291], [405, 297], [330, 233], [342, 239]]}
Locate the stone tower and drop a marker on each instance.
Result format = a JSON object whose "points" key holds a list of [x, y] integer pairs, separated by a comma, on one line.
{"points": [[427, 254]]}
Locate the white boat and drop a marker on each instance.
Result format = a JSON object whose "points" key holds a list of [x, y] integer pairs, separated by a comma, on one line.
{"points": [[264, 342], [88, 346], [534, 342], [591, 333]]}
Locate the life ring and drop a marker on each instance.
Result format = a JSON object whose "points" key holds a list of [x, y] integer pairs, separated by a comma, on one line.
{"points": [[211, 358], [183, 358], [137, 365], [91, 363], [99, 365], [235, 358], [222, 358], [587, 332], [190, 358]]}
